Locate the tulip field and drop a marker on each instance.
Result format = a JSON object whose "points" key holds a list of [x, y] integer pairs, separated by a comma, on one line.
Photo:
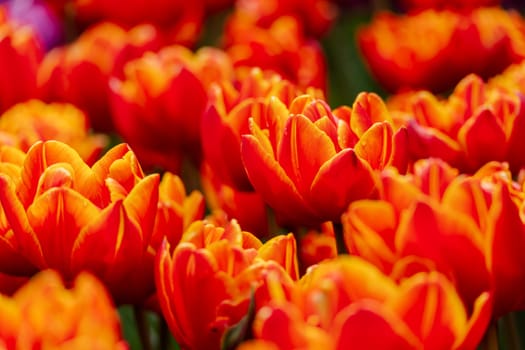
{"points": [[262, 174]]}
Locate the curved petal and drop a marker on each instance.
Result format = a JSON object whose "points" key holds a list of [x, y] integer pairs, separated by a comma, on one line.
{"points": [[367, 324], [376, 145], [283, 250], [304, 148], [340, 180], [270, 180], [367, 110]]}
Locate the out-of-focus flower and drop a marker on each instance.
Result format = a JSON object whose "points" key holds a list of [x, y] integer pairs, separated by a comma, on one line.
{"points": [[419, 5], [467, 227], [176, 210], [477, 124], [247, 207], [20, 55], [309, 162], [435, 49], [26, 123], [79, 72], [317, 246], [39, 16], [348, 303], [213, 6], [317, 16], [231, 106], [281, 48], [58, 211], [45, 314], [158, 106], [205, 285], [180, 20]]}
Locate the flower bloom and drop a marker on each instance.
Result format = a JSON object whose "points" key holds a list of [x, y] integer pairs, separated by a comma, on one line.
{"points": [[467, 227], [204, 285], [158, 105], [317, 16], [180, 20], [79, 72], [45, 314], [348, 303], [26, 123], [57, 211], [419, 5], [282, 48], [309, 162], [435, 49], [20, 55], [477, 124]]}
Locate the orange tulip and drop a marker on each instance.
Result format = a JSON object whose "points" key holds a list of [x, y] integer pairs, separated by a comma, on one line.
{"points": [[348, 303], [317, 246], [317, 16], [59, 211], [468, 228], [281, 48], [79, 73], [20, 56], [44, 314], [418, 5], [180, 20], [26, 123], [204, 286], [157, 107], [309, 163], [477, 124], [435, 49]]}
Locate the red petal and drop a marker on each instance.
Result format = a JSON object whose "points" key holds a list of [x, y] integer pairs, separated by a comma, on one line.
{"points": [[376, 145]]}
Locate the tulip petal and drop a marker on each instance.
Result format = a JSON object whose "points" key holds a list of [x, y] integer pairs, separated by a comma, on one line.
{"points": [[304, 148], [57, 217], [367, 110], [268, 178], [340, 180], [376, 145], [483, 138], [367, 324], [283, 250]]}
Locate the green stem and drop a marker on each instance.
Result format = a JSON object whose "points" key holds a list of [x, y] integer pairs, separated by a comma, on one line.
{"points": [[491, 341], [339, 239], [143, 327]]}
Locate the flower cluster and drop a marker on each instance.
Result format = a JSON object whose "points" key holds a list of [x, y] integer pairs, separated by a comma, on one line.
{"points": [[204, 174]]}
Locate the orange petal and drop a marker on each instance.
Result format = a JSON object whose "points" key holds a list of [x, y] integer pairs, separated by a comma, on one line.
{"points": [[367, 110], [282, 249], [340, 180], [304, 148], [376, 145], [268, 178]]}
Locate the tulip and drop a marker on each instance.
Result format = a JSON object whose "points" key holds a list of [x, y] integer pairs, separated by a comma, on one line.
{"points": [[281, 48], [157, 107], [309, 163], [26, 123], [468, 228], [411, 51], [317, 16], [45, 314], [59, 211], [204, 285], [477, 124], [347, 303], [20, 55], [79, 72], [419, 5], [179, 20]]}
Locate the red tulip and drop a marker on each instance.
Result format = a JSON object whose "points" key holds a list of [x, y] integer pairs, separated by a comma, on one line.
{"points": [[26, 123], [79, 72], [309, 163], [435, 49], [59, 211], [46, 314], [157, 107]]}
